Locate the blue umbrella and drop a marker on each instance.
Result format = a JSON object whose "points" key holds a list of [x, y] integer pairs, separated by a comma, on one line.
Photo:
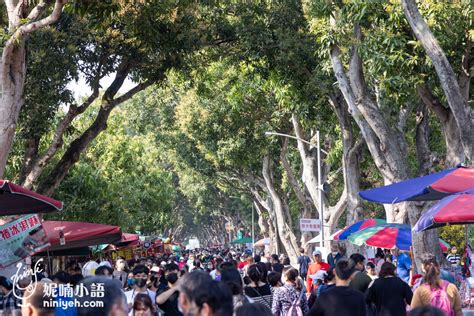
{"points": [[427, 188]]}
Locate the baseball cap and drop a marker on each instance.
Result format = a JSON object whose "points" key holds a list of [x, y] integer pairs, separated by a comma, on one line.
{"points": [[319, 275], [316, 253]]}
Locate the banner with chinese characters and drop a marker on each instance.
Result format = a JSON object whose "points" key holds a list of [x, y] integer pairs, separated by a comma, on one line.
{"points": [[310, 225], [21, 238]]}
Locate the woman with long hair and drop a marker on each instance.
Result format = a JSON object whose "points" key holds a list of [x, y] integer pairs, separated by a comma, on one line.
{"points": [[388, 293], [434, 291], [290, 295], [232, 278], [143, 306], [259, 291]]}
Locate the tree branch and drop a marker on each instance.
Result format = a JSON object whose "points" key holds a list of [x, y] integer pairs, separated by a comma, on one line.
{"points": [[122, 73], [461, 111], [52, 18], [423, 152], [124, 97], [465, 76], [403, 116], [291, 177], [425, 94], [345, 87]]}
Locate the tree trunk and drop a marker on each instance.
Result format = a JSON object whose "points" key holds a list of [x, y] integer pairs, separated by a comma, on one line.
{"points": [[386, 145], [12, 80], [352, 151], [349, 199], [74, 151], [462, 113], [452, 138], [423, 152], [266, 227], [271, 221], [13, 65], [35, 168], [79, 145], [287, 237], [304, 199]]}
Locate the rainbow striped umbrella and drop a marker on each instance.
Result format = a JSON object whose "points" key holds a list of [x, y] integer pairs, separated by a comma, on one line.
{"points": [[387, 236], [427, 188], [444, 245], [454, 209], [349, 230]]}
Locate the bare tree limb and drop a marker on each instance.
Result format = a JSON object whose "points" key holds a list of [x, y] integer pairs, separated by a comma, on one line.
{"points": [[462, 113], [291, 177], [425, 94]]}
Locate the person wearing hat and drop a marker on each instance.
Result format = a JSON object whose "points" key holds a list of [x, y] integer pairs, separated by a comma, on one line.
{"points": [[182, 263], [313, 268]]}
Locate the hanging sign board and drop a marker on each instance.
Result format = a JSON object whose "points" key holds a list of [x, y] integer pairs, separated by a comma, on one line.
{"points": [[21, 238], [310, 225]]}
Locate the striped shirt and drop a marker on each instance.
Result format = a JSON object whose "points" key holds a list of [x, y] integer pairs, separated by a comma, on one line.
{"points": [[262, 294], [453, 258]]}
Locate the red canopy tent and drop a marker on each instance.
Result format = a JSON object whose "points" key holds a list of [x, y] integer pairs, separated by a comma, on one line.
{"points": [[79, 234], [16, 200], [127, 237], [128, 240]]}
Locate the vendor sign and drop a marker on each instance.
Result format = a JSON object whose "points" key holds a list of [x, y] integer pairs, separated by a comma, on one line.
{"points": [[21, 238]]}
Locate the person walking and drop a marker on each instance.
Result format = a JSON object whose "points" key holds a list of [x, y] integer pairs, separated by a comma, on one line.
{"points": [[389, 293], [341, 299], [290, 296], [258, 290], [434, 291], [361, 279], [403, 263], [140, 275], [167, 298], [313, 268], [303, 262], [120, 272], [454, 258], [379, 260], [276, 265], [233, 279], [334, 256], [370, 268]]}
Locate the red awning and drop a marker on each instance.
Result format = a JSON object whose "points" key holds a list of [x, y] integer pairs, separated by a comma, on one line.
{"points": [[79, 234], [127, 237], [127, 240], [16, 200]]}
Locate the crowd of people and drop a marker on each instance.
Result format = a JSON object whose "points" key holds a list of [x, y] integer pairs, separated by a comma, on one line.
{"points": [[224, 283]]}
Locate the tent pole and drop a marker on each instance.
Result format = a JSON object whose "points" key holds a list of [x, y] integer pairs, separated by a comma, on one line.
{"points": [[49, 264]]}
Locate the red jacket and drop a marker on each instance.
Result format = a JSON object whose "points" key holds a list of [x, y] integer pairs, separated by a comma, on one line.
{"points": [[312, 269]]}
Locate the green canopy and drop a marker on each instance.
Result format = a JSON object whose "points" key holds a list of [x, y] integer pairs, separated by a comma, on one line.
{"points": [[175, 248], [98, 248], [244, 240]]}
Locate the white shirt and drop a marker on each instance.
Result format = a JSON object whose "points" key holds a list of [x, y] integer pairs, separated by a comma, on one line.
{"points": [[213, 274], [130, 295]]}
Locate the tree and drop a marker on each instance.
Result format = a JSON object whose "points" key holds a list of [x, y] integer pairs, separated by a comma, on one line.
{"points": [[456, 96], [376, 78], [133, 40], [23, 20], [120, 180]]}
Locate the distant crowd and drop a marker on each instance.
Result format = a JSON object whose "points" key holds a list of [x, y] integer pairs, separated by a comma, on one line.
{"points": [[230, 282]]}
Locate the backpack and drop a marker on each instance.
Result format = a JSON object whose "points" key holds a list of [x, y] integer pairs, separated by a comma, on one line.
{"points": [[439, 298], [295, 308]]}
